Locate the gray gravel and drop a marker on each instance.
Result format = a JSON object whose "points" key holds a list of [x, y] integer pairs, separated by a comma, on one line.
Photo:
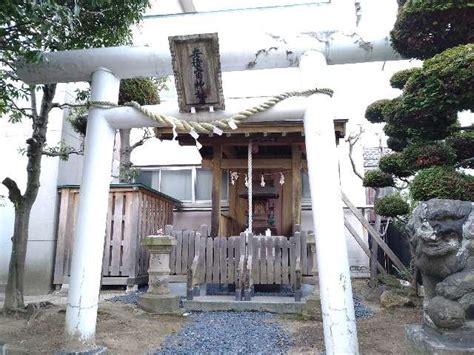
{"points": [[361, 310], [228, 333], [129, 298]]}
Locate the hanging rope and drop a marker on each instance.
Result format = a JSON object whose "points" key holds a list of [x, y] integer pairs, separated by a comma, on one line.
{"points": [[185, 126], [249, 187]]}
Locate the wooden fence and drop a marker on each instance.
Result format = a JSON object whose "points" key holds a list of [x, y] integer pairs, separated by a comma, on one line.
{"points": [[273, 257], [134, 212]]}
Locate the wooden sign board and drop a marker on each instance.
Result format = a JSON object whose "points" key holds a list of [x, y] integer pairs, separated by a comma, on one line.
{"points": [[197, 71]]}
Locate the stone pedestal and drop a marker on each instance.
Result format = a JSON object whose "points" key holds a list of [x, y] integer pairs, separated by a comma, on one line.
{"points": [[158, 299], [312, 306], [422, 339]]}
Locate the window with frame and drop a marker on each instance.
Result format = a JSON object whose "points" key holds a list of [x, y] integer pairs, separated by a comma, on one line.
{"points": [[190, 184]]}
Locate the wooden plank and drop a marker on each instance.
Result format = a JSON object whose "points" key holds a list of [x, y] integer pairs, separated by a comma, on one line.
{"points": [[216, 266], [202, 258], [179, 252], [276, 127], [209, 260], [292, 259], [269, 245], [223, 260], [127, 256], [257, 163], [263, 261], [116, 235], [216, 190], [374, 233], [237, 245], [194, 245], [298, 252], [108, 237], [169, 231], [304, 253], [296, 185], [284, 261], [134, 245], [230, 260], [277, 270], [62, 236], [255, 265], [204, 229], [361, 243], [185, 256]]}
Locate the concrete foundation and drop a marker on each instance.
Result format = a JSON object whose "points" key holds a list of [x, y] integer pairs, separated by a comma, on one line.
{"points": [[100, 350], [425, 340], [312, 308], [159, 304], [280, 305]]}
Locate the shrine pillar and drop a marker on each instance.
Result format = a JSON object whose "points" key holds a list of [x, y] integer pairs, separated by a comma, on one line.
{"points": [[337, 306], [88, 249]]}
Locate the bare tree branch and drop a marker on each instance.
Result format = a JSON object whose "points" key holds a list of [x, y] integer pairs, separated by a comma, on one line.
{"points": [[54, 153], [61, 106], [352, 139]]}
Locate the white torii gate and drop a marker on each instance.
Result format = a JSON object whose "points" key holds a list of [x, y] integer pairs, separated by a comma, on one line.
{"points": [[104, 67]]}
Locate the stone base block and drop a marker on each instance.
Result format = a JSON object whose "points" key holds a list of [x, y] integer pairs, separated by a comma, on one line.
{"points": [[312, 308], [425, 340], [159, 304], [102, 350]]}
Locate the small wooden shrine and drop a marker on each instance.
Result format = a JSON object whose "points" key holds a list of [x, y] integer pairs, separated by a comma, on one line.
{"points": [[278, 160]]}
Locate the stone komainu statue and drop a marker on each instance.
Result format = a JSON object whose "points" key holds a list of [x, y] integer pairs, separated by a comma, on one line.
{"points": [[442, 237]]}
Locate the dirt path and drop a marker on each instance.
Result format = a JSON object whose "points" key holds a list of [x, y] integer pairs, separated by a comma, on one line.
{"points": [[383, 333], [123, 329]]}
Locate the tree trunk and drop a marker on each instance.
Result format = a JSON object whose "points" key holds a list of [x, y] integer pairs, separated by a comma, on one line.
{"points": [[23, 203], [374, 251], [14, 290], [125, 154]]}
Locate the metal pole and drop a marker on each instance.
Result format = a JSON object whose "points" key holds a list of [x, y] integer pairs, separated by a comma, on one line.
{"points": [[88, 250], [340, 333]]}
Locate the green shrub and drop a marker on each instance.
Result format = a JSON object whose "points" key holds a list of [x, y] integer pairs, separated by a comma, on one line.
{"points": [[396, 144], [399, 79], [391, 206], [395, 164], [435, 94], [426, 27], [141, 90], [377, 178], [442, 182], [419, 156], [463, 145], [374, 112]]}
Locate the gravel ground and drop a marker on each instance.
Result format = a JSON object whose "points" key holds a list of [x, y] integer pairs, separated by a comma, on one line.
{"points": [[129, 298], [228, 333], [361, 310]]}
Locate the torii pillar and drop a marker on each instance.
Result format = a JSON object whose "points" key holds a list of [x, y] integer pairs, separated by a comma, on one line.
{"points": [[88, 250], [337, 306]]}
